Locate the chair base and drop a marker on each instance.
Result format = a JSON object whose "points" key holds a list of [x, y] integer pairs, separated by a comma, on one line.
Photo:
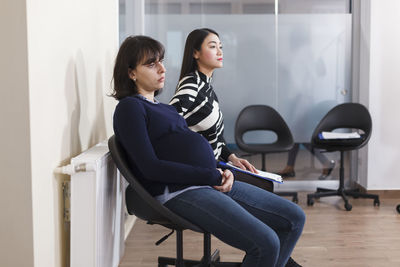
{"points": [[214, 262], [344, 193], [208, 259], [341, 191]]}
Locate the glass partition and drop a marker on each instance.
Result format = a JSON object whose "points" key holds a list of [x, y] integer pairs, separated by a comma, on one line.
{"points": [[313, 68], [249, 73]]}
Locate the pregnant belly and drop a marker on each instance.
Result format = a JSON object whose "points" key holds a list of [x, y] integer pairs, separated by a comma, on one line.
{"points": [[185, 147]]}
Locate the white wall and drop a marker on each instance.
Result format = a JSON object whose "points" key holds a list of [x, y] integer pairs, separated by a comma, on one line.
{"points": [[16, 232], [384, 95], [57, 107], [72, 45]]}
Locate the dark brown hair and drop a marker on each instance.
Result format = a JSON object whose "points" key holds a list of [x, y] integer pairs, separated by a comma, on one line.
{"points": [[133, 51]]}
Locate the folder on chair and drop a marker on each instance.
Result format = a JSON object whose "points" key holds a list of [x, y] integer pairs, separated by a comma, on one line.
{"points": [[261, 174], [333, 135]]}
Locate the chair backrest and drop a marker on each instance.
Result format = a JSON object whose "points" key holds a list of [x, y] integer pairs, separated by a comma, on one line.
{"points": [[138, 201], [347, 115], [262, 117]]}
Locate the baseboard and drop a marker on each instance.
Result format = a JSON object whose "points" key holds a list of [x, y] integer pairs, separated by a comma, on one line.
{"points": [[129, 223], [305, 185], [381, 193], [310, 186]]}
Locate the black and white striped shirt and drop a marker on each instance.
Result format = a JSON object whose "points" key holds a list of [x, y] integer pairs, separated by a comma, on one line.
{"points": [[197, 102]]}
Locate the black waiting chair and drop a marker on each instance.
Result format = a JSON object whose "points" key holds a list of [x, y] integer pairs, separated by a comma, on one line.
{"points": [[265, 118], [344, 116], [144, 206]]}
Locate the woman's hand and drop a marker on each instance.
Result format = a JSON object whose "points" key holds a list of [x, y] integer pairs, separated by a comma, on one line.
{"points": [[227, 181], [242, 163]]}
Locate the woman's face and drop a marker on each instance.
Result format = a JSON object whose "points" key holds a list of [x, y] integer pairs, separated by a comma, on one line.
{"points": [[210, 55], [149, 77]]}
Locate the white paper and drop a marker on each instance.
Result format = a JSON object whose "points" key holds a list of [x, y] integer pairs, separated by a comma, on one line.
{"points": [[332, 135], [269, 175]]}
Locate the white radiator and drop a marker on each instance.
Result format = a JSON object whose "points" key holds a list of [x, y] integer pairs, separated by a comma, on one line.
{"points": [[97, 209]]}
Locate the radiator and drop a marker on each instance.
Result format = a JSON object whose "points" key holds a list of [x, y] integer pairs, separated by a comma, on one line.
{"points": [[98, 221]]}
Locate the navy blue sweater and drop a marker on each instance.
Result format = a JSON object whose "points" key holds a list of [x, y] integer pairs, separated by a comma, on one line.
{"points": [[161, 149]]}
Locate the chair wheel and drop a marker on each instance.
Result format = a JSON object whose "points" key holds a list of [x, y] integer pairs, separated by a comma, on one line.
{"points": [[348, 206], [398, 208], [377, 202], [310, 202]]}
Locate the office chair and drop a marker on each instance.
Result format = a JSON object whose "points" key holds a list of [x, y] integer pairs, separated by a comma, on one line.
{"points": [[347, 115], [261, 117], [144, 206]]}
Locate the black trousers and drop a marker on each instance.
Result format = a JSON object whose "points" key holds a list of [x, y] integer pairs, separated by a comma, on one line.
{"points": [[261, 183]]}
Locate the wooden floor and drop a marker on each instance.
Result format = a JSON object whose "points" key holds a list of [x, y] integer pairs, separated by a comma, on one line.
{"points": [[367, 236]]}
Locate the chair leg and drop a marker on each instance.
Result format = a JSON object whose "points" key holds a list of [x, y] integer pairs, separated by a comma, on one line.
{"points": [[215, 257], [263, 168], [319, 189], [178, 261], [323, 194], [179, 249], [355, 193], [347, 205], [207, 248]]}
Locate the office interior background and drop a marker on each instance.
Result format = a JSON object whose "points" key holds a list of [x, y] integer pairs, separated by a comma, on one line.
{"points": [[301, 57], [296, 58]]}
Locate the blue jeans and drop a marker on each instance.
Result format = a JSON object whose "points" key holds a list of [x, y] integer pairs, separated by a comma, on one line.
{"points": [[262, 224]]}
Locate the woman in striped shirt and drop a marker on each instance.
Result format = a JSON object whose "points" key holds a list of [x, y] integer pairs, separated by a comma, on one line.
{"points": [[197, 102]]}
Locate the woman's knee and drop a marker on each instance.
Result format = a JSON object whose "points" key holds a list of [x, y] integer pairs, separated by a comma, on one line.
{"points": [[298, 217], [266, 246]]}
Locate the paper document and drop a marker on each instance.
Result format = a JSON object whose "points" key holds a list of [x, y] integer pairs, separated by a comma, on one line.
{"points": [[332, 135], [261, 174]]}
